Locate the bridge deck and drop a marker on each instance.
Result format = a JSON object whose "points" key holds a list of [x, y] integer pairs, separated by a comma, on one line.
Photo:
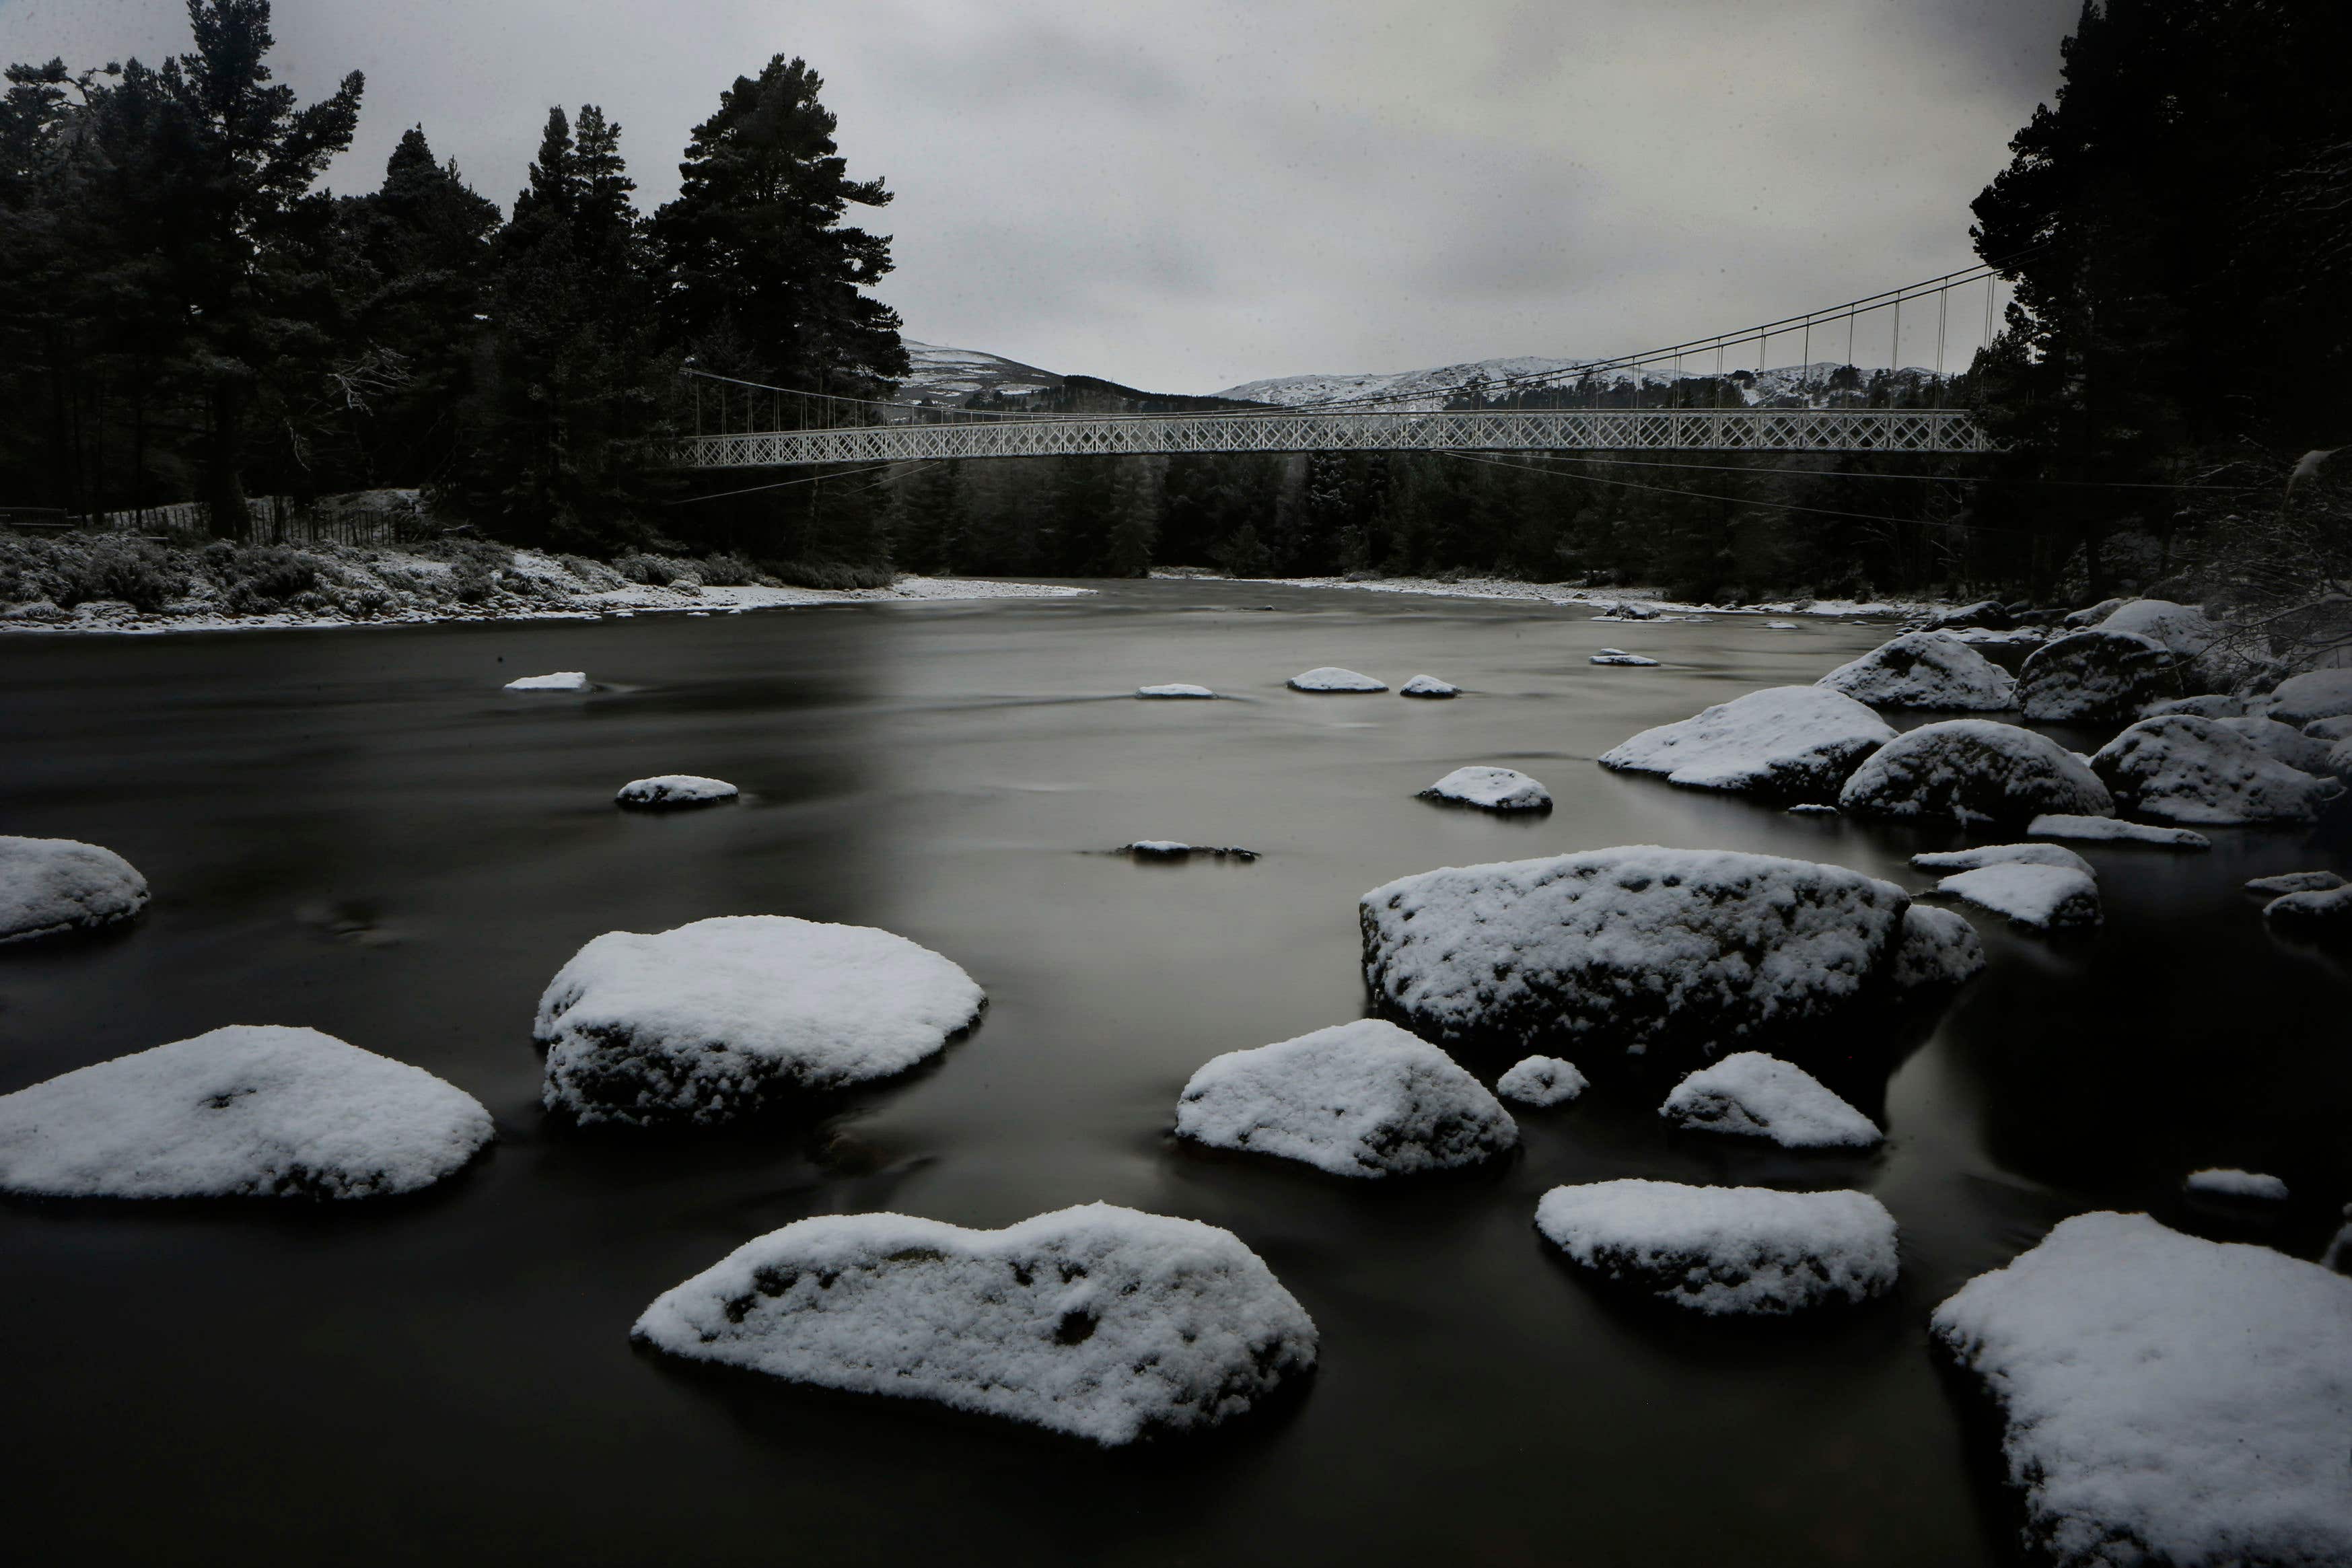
{"points": [[1914, 430]]}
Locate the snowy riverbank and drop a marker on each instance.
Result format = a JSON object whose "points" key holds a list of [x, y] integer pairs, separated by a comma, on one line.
{"points": [[1601, 599]]}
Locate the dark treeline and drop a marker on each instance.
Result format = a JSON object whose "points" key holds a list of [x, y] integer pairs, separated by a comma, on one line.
{"points": [[185, 313]]}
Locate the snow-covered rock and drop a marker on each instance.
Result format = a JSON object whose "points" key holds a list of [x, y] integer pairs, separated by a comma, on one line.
{"points": [[2180, 768], [668, 791], [1783, 741], [1495, 789], [1099, 1321], [2329, 731], [561, 680], [2222, 1182], [1428, 686], [2166, 1399], [2199, 647], [1617, 657], [1990, 613], [2314, 694], [2206, 705], [1177, 849], [2091, 615], [1726, 1249], [1812, 808], [2095, 676], [1541, 1081], [1969, 771], [244, 1111], [2110, 830], [1939, 947], [1984, 855], [1631, 945], [2296, 882], [1759, 1095], [2330, 910], [1361, 1098], [714, 1018], [1331, 677], [2047, 897], [1926, 669], [1781, 625], [1175, 690], [2284, 742], [49, 887]]}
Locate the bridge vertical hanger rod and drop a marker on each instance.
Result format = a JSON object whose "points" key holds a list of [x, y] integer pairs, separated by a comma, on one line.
{"points": [[1895, 349], [1805, 364], [1943, 298]]}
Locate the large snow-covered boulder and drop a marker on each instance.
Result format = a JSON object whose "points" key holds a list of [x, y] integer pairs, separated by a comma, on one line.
{"points": [[713, 1019], [1759, 1095], [2047, 897], [2110, 830], [1990, 613], [1939, 947], [1726, 1249], [1630, 946], [2315, 694], [2181, 768], [1541, 1081], [1103, 1322], [1973, 770], [1979, 856], [2284, 742], [1926, 669], [1783, 741], [2205, 705], [50, 887], [2166, 1399], [2091, 615], [2200, 646], [1494, 789], [1331, 677], [2093, 677], [245, 1111], [674, 791], [1362, 1099]]}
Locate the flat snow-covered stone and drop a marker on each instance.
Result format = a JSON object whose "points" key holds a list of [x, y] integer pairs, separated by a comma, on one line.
{"points": [[2047, 897], [1428, 686], [2180, 768], [1628, 660], [668, 791], [1099, 1321], [1629, 945], [1541, 1081], [1783, 740], [1175, 690], [2330, 910], [1812, 808], [1759, 1095], [1726, 1249], [245, 1111], [2284, 742], [1939, 947], [561, 680], [2228, 1183], [2166, 1399], [710, 1020], [1984, 855], [2296, 882], [2314, 694], [1926, 669], [1331, 677], [2110, 830], [1361, 1098], [49, 887], [1495, 789], [2094, 676], [1973, 770]]}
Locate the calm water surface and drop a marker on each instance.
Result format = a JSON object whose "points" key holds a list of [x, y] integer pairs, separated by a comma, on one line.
{"points": [[358, 831]]}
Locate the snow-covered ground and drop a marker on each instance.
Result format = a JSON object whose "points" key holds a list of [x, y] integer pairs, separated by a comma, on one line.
{"points": [[1599, 599]]}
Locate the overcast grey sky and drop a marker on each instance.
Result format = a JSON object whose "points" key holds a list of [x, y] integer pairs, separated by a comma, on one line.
{"points": [[1187, 195]]}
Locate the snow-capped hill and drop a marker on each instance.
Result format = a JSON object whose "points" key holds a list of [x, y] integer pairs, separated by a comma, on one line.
{"points": [[942, 375], [1415, 390], [1434, 386]]}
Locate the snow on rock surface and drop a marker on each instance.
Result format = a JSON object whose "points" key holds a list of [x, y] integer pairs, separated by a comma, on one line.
{"points": [[1177, 849], [2330, 730], [49, 887], [250, 1110], [2229, 1183], [1726, 1249], [1939, 947], [1970, 771], [2284, 742], [2166, 1399], [1495, 789], [2313, 695], [1428, 686], [2197, 644], [1541, 1081], [1362, 1099], [2207, 705], [1099, 1321], [2296, 882], [1631, 945], [1617, 657], [2094, 676], [1174, 689], [2047, 897], [2331, 908], [1926, 669], [1783, 740], [561, 680], [1759, 1095], [709, 1020], [1984, 855], [2091, 616], [2109, 830], [2181, 768], [674, 790], [1331, 677]]}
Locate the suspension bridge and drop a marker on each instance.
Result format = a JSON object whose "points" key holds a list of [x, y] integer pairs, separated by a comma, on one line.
{"points": [[1666, 399]]}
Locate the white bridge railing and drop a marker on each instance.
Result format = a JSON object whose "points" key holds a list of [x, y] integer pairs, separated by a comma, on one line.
{"points": [[1919, 430]]}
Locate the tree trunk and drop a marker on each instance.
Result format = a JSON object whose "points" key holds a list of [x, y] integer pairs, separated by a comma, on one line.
{"points": [[224, 484]]}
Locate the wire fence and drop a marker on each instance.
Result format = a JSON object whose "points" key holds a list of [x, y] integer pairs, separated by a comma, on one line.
{"points": [[380, 521]]}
